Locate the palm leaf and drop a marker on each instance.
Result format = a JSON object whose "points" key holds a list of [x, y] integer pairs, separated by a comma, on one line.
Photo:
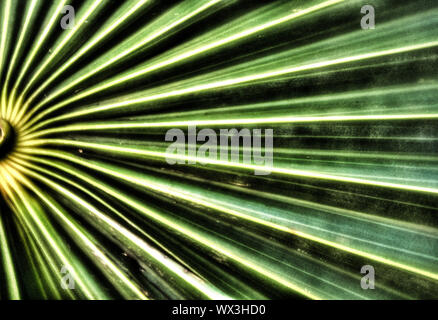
{"points": [[85, 184]]}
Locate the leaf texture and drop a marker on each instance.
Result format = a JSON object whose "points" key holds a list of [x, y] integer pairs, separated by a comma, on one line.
{"points": [[84, 178]]}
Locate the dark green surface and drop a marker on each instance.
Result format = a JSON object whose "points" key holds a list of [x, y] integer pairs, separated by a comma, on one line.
{"points": [[354, 180]]}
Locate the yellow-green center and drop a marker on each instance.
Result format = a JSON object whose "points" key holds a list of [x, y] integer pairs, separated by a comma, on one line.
{"points": [[6, 134]]}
